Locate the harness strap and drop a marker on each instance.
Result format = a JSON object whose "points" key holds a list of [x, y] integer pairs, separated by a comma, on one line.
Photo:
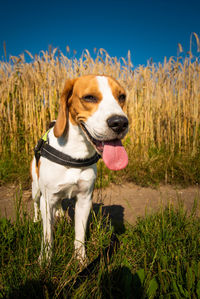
{"points": [[39, 146], [47, 151], [58, 157], [37, 150]]}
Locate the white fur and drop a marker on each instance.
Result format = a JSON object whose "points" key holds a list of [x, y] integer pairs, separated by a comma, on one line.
{"points": [[57, 182]]}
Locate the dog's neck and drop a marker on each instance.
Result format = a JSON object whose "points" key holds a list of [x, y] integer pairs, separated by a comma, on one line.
{"points": [[74, 143]]}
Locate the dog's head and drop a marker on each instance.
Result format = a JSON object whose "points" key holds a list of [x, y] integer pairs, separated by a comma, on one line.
{"points": [[95, 103]]}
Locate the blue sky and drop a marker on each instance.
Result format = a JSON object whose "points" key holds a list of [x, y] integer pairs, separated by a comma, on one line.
{"points": [[149, 29]]}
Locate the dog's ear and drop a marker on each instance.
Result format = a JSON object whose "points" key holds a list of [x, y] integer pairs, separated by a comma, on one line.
{"points": [[61, 125]]}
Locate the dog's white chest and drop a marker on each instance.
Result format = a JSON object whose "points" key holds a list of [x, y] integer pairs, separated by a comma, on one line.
{"points": [[63, 182]]}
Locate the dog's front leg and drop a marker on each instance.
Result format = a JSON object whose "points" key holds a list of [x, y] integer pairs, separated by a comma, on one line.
{"points": [[47, 219], [82, 210]]}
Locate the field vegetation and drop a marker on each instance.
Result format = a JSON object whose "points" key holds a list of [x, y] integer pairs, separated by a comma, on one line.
{"points": [[163, 108], [158, 257]]}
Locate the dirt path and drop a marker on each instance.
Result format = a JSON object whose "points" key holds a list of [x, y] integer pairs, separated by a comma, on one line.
{"points": [[123, 203]]}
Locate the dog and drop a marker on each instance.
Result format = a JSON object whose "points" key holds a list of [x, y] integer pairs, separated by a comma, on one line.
{"points": [[90, 121]]}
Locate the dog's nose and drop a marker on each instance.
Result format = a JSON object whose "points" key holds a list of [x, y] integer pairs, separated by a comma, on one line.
{"points": [[117, 123]]}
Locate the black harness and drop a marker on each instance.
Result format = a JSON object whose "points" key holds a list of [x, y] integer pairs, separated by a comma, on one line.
{"points": [[44, 149]]}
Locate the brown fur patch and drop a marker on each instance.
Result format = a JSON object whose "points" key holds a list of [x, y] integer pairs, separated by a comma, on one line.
{"points": [[117, 90], [79, 109], [37, 168], [31, 167], [61, 124]]}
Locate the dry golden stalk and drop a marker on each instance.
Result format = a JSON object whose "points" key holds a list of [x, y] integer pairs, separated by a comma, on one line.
{"points": [[163, 100]]}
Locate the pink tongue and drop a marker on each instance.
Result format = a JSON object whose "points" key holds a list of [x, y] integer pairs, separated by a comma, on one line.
{"points": [[114, 155]]}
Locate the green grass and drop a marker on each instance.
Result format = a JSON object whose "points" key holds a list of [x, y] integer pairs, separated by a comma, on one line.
{"points": [[15, 168], [158, 257], [157, 167]]}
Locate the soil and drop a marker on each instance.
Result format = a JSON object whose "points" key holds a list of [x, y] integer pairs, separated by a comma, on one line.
{"points": [[124, 203]]}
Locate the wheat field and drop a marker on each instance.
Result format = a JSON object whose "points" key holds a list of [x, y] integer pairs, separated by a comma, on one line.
{"points": [[163, 103]]}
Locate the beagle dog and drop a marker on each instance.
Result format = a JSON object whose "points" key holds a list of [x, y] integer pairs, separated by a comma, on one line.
{"points": [[90, 120]]}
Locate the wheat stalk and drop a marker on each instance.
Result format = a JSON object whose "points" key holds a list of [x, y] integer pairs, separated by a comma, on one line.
{"points": [[163, 99]]}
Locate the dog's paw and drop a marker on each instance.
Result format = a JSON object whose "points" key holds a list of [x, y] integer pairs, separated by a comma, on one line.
{"points": [[36, 219], [59, 213], [45, 257], [80, 255]]}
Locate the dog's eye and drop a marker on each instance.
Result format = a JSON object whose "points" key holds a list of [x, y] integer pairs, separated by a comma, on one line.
{"points": [[122, 98], [90, 98]]}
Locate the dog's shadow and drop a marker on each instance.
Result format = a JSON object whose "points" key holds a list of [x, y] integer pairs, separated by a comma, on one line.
{"points": [[115, 213]]}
